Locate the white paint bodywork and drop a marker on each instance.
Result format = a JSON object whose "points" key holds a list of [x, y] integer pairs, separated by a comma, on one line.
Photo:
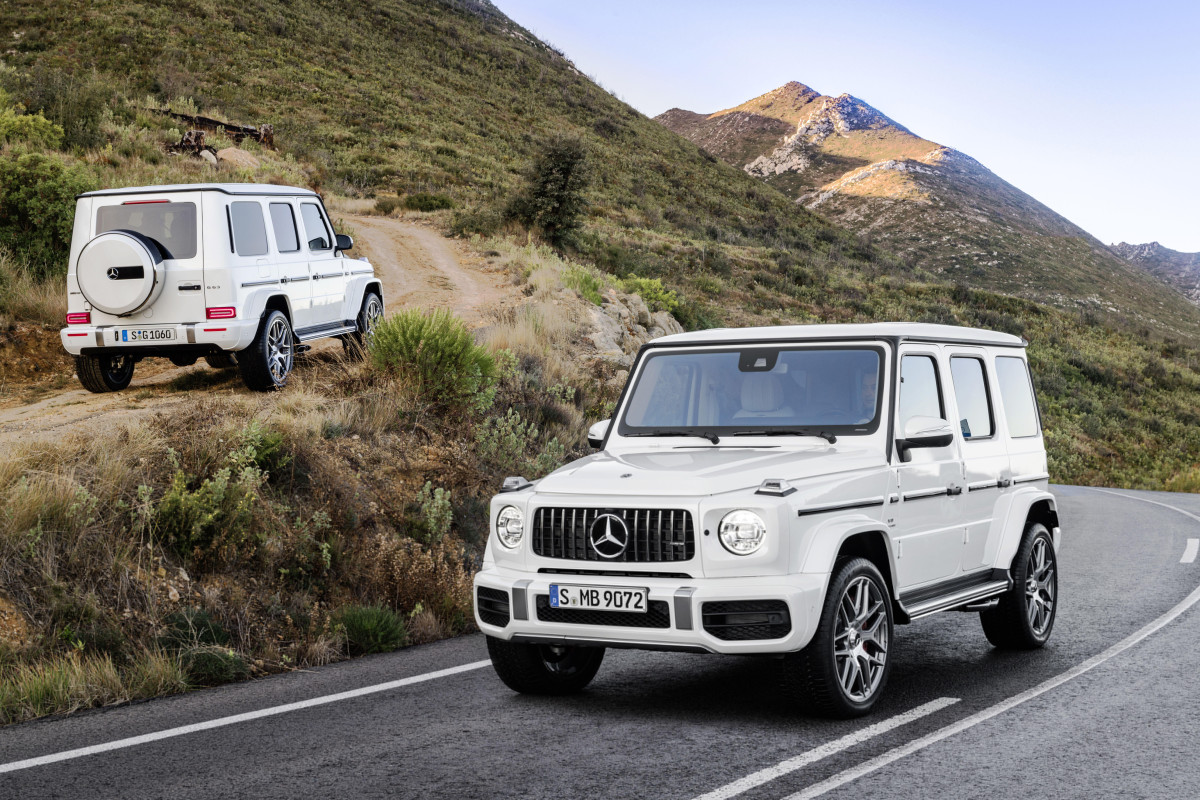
{"points": [[928, 541], [226, 279]]}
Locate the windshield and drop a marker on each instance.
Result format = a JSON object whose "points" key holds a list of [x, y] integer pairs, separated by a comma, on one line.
{"points": [[770, 389], [172, 226]]}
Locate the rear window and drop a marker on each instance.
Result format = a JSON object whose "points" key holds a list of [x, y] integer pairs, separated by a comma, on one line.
{"points": [[1017, 395], [172, 226], [249, 230], [974, 402]]}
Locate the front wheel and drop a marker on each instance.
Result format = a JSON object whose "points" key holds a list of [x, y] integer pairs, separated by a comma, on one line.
{"points": [[544, 668], [104, 373], [267, 362], [1024, 617], [842, 671], [369, 316]]}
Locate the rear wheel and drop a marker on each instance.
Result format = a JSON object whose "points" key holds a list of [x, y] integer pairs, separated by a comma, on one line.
{"points": [[1024, 617], [842, 671], [369, 317], [222, 360], [267, 362], [104, 373], [542, 668]]}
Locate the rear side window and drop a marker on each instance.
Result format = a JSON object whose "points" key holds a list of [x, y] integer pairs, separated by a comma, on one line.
{"points": [[172, 226], [249, 230], [920, 394], [314, 228], [974, 404], [284, 223], [1016, 393]]}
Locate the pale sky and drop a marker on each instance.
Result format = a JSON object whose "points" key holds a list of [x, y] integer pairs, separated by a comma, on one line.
{"points": [[1091, 107]]}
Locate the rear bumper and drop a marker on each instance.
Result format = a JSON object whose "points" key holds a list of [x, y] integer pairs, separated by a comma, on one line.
{"points": [[685, 601], [197, 337]]}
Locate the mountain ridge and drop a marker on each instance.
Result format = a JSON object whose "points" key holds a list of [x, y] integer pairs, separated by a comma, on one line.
{"points": [[1181, 270]]}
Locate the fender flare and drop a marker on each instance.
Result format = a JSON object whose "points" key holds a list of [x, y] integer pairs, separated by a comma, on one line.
{"points": [[827, 539], [1008, 522], [256, 302], [357, 288]]}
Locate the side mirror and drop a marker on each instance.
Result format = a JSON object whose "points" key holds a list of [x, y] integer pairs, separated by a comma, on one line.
{"points": [[597, 432], [344, 242], [923, 432]]}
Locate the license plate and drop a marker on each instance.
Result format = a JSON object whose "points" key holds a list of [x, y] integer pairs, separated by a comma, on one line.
{"points": [[147, 334], [599, 598]]}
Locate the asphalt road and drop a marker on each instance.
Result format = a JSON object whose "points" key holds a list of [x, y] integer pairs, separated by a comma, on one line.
{"points": [[664, 725]]}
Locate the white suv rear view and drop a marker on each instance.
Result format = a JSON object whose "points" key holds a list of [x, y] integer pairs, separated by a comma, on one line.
{"points": [[238, 274]]}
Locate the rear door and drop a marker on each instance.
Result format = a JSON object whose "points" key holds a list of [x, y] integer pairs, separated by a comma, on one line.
{"points": [[984, 450], [927, 534], [292, 259]]}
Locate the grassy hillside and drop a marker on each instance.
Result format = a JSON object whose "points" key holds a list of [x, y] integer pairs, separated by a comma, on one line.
{"points": [[332, 532]]}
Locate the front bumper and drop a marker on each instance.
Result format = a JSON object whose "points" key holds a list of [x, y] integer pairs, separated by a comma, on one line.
{"points": [[217, 334], [684, 598]]}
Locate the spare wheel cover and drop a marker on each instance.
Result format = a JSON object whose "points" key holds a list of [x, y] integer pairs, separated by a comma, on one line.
{"points": [[120, 272]]}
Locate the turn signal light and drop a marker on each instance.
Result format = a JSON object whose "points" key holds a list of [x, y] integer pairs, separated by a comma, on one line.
{"points": [[224, 312], [80, 318]]}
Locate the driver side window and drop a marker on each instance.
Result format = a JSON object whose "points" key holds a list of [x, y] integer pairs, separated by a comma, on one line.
{"points": [[920, 389]]}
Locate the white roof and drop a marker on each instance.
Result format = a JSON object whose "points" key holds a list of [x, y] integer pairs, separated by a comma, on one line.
{"points": [[227, 188], [874, 330]]}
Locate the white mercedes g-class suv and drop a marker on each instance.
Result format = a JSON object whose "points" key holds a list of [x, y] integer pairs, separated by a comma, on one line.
{"points": [[238, 274], [791, 491]]}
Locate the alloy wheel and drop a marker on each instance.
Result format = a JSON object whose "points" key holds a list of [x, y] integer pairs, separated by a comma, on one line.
{"points": [[1040, 587], [279, 350], [860, 644]]}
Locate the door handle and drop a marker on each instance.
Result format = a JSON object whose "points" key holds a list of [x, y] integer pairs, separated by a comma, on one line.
{"points": [[953, 490], [1004, 483]]}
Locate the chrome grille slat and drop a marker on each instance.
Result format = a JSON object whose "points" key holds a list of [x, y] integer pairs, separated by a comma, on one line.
{"points": [[655, 534]]}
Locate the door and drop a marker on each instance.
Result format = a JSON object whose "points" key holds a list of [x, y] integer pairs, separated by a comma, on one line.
{"points": [[292, 263], [328, 276], [984, 451], [927, 534]]}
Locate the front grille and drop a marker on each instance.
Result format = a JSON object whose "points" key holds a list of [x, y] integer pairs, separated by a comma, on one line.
{"points": [[744, 620], [655, 535], [657, 616], [493, 606]]}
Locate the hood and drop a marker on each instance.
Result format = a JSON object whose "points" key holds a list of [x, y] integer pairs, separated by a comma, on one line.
{"points": [[701, 471]]}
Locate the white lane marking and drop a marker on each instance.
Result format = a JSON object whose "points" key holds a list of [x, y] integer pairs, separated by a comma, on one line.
{"points": [[1189, 552], [867, 767], [221, 722], [824, 751]]}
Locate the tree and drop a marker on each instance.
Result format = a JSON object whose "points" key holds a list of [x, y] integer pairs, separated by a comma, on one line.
{"points": [[552, 200]]}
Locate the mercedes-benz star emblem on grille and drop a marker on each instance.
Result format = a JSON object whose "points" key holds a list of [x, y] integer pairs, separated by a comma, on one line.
{"points": [[609, 536], [113, 273]]}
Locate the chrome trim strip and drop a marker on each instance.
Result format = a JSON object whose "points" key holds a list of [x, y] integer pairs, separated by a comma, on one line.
{"points": [[323, 333], [683, 608], [191, 334], [978, 487], [847, 506], [268, 282], [520, 602], [630, 644], [361, 272], [1040, 476], [924, 493]]}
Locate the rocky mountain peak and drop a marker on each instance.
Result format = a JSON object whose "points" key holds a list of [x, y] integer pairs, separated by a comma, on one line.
{"points": [[841, 115], [788, 103]]}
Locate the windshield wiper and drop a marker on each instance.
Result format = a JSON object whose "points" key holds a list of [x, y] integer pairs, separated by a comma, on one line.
{"points": [[712, 437], [829, 437]]}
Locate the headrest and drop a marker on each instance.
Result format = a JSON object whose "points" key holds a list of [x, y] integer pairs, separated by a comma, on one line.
{"points": [[761, 391]]}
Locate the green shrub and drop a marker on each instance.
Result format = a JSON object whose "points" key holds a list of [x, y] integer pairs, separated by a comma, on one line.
{"points": [[424, 201], [386, 205], [212, 666], [37, 208], [504, 444], [30, 129], [76, 102], [589, 283], [372, 629], [658, 297], [437, 352], [482, 220], [436, 511], [191, 627], [553, 200]]}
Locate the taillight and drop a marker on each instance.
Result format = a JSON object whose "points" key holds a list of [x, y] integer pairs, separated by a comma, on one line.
{"points": [[224, 312], [80, 318]]}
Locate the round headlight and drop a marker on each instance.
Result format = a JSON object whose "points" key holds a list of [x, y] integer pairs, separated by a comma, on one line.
{"points": [[742, 532], [510, 526]]}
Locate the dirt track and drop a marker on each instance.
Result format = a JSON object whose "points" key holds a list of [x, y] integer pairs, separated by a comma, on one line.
{"points": [[416, 265]]}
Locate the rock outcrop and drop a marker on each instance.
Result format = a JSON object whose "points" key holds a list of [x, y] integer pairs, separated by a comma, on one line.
{"points": [[622, 324]]}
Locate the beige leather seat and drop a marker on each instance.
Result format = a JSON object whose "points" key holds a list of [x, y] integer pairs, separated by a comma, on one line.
{"points": [[762, 398]]}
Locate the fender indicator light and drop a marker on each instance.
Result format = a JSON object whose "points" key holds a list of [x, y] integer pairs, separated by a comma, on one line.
{"points": [[223, 312], [79, 318]]}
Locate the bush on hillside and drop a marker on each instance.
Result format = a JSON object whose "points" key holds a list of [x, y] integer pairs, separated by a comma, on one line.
{"points": [[437, 353], [78, 103], [33, 130], [552, 200], [37, 208], [190, 627], [212, 666], [372, 629], [657, 296], [424, 201]]}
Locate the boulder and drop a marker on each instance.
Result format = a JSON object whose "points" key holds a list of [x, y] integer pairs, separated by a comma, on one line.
{"points": [[207, 157], [237, 157]]}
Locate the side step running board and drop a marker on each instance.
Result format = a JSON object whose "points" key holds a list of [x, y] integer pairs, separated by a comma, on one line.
{"points": [[970, 596], [321, 334]]}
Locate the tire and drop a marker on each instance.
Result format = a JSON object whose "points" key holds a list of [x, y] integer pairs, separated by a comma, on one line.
{"points": [[104, 373], [222, 360], [266, 364], [1024, 618], [369, 316], [856, 603], [544, 669]]}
